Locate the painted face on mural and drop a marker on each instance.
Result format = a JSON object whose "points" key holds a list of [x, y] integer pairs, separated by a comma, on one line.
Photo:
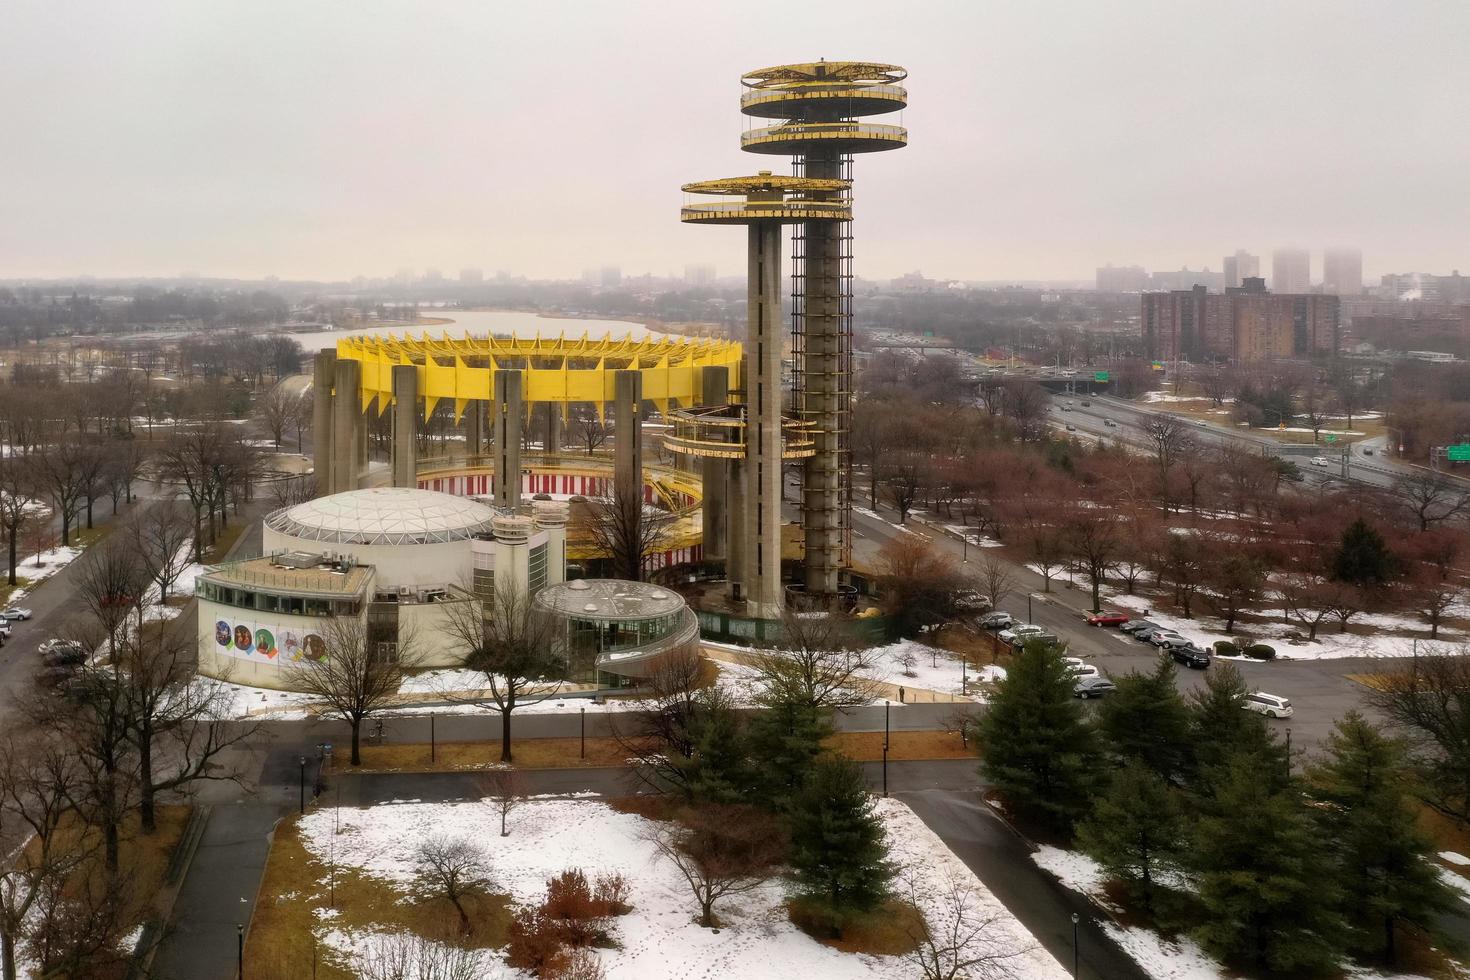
{"points": [[316, 647], [265, 643], [243, 639], [222, 633]]}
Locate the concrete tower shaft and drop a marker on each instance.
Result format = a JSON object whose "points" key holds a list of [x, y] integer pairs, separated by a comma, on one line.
{"points": [[822, 105]]}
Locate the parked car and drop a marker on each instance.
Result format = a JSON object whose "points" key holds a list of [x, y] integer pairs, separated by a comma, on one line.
{"points": [[1270, 705], [1110, 423], [1080, 667], [5, 629], [1071, 428], [1086, 403], [1147, 634], [1367, 450], [996, 620], [1136, 626], [1020, 629], [1201, 423], [971, 601], [16, 612], [1026, 638], [1191, 656], [1093, 686], [1107, 619], [65, 656], [56, 643], [1319, 461], [1167, 638]]}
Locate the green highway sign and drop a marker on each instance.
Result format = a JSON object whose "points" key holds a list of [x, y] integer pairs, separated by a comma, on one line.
{"points": [[1459, 453], [1331, 437], [1099, 376]]}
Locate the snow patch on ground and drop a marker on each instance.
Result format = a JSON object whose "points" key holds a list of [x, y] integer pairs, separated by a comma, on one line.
{"points": [[38, 568], [934, 669], [1454, 857], [879, 517], [976, 540], [659, 937]]}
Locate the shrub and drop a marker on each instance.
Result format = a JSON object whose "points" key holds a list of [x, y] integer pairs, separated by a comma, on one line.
{"points": [[1224, 648], [545, 939], [535, 941], [1260, 651]]}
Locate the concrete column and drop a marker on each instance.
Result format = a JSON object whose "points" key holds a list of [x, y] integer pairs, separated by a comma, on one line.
{"points": [[551, 516], [323, 377], [628, 435], [764, 593], [553, 428], [509, 415], [824, 392], [346, 420], [405, 424], [474, 428], [715, 382], [512, 554], [737, 567]]}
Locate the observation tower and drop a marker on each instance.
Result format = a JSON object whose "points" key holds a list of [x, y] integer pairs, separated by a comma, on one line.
{"points": [[819, 105]]}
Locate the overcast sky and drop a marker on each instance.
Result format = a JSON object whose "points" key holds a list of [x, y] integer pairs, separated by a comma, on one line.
{"points": [[317, 139]]}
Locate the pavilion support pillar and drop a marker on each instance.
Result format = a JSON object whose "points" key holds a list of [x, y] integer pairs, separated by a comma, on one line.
{"points": [[474, 428], [346, 421], [508, 422], [552, 442], [405, 424], [323, 377], [627, 435], [763, 423], [736, 561], [715, 382]]}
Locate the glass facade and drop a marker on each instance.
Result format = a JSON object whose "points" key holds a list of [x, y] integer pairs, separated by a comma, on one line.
{"points": [[287, 605]]}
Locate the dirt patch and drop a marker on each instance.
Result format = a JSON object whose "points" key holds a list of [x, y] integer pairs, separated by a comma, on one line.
{"points": [[297, 885], [893, 929], [528, 753]]}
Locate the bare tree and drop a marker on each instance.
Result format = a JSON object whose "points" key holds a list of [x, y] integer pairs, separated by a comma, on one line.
{"points": [[61, 469], [20, 495], [1169, 437], [506, 791], [960, 939], [1431, 497], [193, 460], [38, 780], [720, 851], [589, 430], [904, 475], [160, 537], [407, 956], [276, 409], [111, 586], [996, 580], [817, 663], [1429, 699], [515, 647], [298, 488], [454, 867], [629, 531], [1093, 537], [357, 676]]}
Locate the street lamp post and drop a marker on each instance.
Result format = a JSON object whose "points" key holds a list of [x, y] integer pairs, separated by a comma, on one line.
{"points": [[433, 745], [1028, 608], [239, 951], [1076, 948], [1288, 751], [583, 710], [303, 784]]}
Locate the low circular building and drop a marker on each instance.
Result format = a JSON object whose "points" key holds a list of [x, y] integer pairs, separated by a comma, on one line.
{"points": [[611, 630]]}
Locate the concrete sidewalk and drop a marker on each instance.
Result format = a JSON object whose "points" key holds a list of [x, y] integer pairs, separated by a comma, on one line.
{"points": [[218, 894]]}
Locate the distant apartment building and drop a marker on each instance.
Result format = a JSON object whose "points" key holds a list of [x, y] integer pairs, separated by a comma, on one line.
{"points": [[470, 274], [699, 275], [1242, 324], [1240, 267], [611, 275], [1187, 279], [1452, 289], [1291, 270], [1122, 279], [1342, 271]]}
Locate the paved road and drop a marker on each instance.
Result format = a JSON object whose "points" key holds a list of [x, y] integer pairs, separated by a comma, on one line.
{"points": [[1318, 689]]}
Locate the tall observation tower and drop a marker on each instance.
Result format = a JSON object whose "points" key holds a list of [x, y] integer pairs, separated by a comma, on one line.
{"points": [[819, 105]]}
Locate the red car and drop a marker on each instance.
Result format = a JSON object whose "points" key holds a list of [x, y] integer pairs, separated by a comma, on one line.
{"points": [[1107, 619]]}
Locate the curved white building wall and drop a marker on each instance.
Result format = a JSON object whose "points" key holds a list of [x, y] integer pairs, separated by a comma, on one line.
{"points": [[412, 566]]}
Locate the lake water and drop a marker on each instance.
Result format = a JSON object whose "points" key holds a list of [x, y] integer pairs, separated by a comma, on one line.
{"points": [[485, 322]]}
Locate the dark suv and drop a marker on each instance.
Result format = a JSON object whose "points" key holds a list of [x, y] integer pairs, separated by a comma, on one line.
{"points": [[1191, 656]]}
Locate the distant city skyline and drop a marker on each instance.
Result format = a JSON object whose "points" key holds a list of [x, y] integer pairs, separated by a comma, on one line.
{"points": [[322, 142]]}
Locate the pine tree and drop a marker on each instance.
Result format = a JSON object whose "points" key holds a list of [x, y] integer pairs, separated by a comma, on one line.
{"points": [[1383, 859], [1146, 721], [1363, 558], [1221, 729], [1264, 878], [1135, 831], [717, 771], [1037, 747], [839, 857], [786, 738]]}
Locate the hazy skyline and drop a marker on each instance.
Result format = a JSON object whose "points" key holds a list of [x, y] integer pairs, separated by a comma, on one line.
{"points": [[332, 139]]}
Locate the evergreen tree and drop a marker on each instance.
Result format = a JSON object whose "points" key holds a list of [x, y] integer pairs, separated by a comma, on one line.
{"points": [[1264, 877], [1363, 558], [784, 742], [1146, 721], [717, 770], [1037, 747], [1221, 729], [839, 857], [1135, 830], [1383, 857]]}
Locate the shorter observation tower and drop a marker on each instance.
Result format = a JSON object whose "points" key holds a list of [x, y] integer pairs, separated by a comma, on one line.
{"points": [[743, 444]]}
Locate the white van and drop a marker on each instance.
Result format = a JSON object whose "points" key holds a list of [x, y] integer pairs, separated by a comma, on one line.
{"points": [[1268, 704]]}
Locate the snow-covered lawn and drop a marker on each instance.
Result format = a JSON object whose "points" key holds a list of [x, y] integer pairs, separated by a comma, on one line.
{"points": [[38, 568], [879, 517], [976, 540], [934, 669], [659, 937]]}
